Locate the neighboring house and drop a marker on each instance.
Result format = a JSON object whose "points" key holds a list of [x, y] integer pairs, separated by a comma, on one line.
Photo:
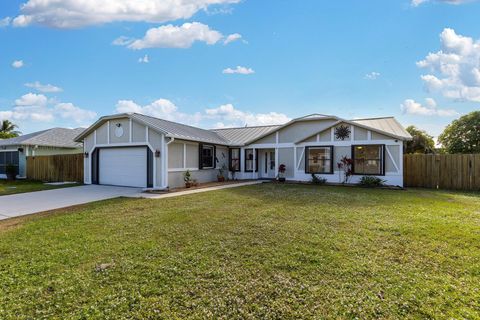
{"points": [[140, 151], [48, 142]]}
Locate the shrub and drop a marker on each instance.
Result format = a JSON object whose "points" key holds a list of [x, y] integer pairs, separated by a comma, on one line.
{"points": [[317, 180], [371, 182], [11, 171]]}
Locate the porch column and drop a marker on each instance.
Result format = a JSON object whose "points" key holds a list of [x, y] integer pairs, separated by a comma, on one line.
{"points": [[254, 163], [276, 162], [295, 167]]}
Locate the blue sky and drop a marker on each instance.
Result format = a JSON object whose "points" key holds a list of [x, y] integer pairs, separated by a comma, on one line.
{"points": [[66, 65]]}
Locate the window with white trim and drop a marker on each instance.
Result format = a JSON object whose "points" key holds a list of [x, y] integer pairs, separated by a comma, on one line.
{"points": [[249, 158], [235, 159], [208, 156]]}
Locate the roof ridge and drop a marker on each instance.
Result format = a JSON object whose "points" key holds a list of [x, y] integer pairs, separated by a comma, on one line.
{"points": [[313, 114], [374, 118], [249, 127]]}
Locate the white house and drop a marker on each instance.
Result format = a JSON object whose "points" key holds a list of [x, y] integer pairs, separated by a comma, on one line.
{"points": [[140, 151]]}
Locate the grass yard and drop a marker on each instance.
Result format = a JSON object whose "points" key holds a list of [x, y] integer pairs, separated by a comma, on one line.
{"points": [[267, 251], [22, 186]]}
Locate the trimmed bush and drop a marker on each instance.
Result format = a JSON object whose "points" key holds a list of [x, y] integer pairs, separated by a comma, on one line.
{"points": [[317, 180], [371, 182]]}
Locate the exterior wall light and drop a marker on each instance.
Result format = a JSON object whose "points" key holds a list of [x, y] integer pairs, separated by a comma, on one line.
{"points": [[86, 155], [157, 153]]}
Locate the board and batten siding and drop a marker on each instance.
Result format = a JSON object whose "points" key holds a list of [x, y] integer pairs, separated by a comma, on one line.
{"points": [[183, 156], [134, 134], [321, 133]]}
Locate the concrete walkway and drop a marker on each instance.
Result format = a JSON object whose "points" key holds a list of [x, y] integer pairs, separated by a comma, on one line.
{"points": [[21, 204], [187, 192], [17, 205]]}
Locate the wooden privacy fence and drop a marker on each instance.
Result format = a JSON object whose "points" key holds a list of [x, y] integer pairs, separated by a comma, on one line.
{"points": [[443, 171], [56, 168]]}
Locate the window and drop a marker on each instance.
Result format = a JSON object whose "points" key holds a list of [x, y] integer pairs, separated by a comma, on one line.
{"points": [[235, 159], [368, 159], [319, 159], [249, 160], [207, 156], [6, 158]]}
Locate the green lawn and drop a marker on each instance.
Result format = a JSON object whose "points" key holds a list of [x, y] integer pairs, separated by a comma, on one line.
{"points": [[267, 252], [22, 186]]}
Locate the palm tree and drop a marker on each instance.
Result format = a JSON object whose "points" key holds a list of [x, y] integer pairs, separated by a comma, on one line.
{"points": [[7, 130]]}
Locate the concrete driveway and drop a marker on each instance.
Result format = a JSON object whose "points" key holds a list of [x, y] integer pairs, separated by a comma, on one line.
{"points": [[33, 202]]}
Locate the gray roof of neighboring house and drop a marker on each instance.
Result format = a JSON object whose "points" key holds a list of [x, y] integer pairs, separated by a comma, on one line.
{"points": [[241, 136], [388, 125], [55, 137]]}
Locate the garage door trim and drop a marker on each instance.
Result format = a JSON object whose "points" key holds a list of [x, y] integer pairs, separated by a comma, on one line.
{"points": [[95, 163]]}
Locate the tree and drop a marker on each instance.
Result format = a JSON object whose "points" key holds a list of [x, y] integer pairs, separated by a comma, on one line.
{"points": [[7, 130], [462, 135], [422, 142]]}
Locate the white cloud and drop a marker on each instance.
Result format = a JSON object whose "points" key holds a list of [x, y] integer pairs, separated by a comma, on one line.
{"points": [[238, 70], [82, 13], [144, 59], [234, 117], [122, 41], [33, 107], [411, 107], [46, 88], [170, 36], [232, 37], [17, 64], [223, 116], [454, 71], [70, 111], [5, 22], [161, 108], [372, 76], [32, 99], [416, 3]]}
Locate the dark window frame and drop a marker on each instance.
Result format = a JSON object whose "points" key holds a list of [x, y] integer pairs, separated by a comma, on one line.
{"points": [[382, 159], [13, 154], [256, 160], [201, 156], [307, 159], [230, 167]]}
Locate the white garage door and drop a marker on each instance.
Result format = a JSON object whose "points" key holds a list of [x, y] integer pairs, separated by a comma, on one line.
{"points": [[123, 167]]}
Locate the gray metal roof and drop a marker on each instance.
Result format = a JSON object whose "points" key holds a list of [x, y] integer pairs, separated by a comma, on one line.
{"points": [[388, 125], [169, 128], [241, 136], [181, 131], [244, 135], [55, 137]]}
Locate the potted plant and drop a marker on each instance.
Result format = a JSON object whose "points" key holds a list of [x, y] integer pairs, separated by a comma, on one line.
{"points": [[221, 174], [281, 172], [11, 172], [187, 177]]}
